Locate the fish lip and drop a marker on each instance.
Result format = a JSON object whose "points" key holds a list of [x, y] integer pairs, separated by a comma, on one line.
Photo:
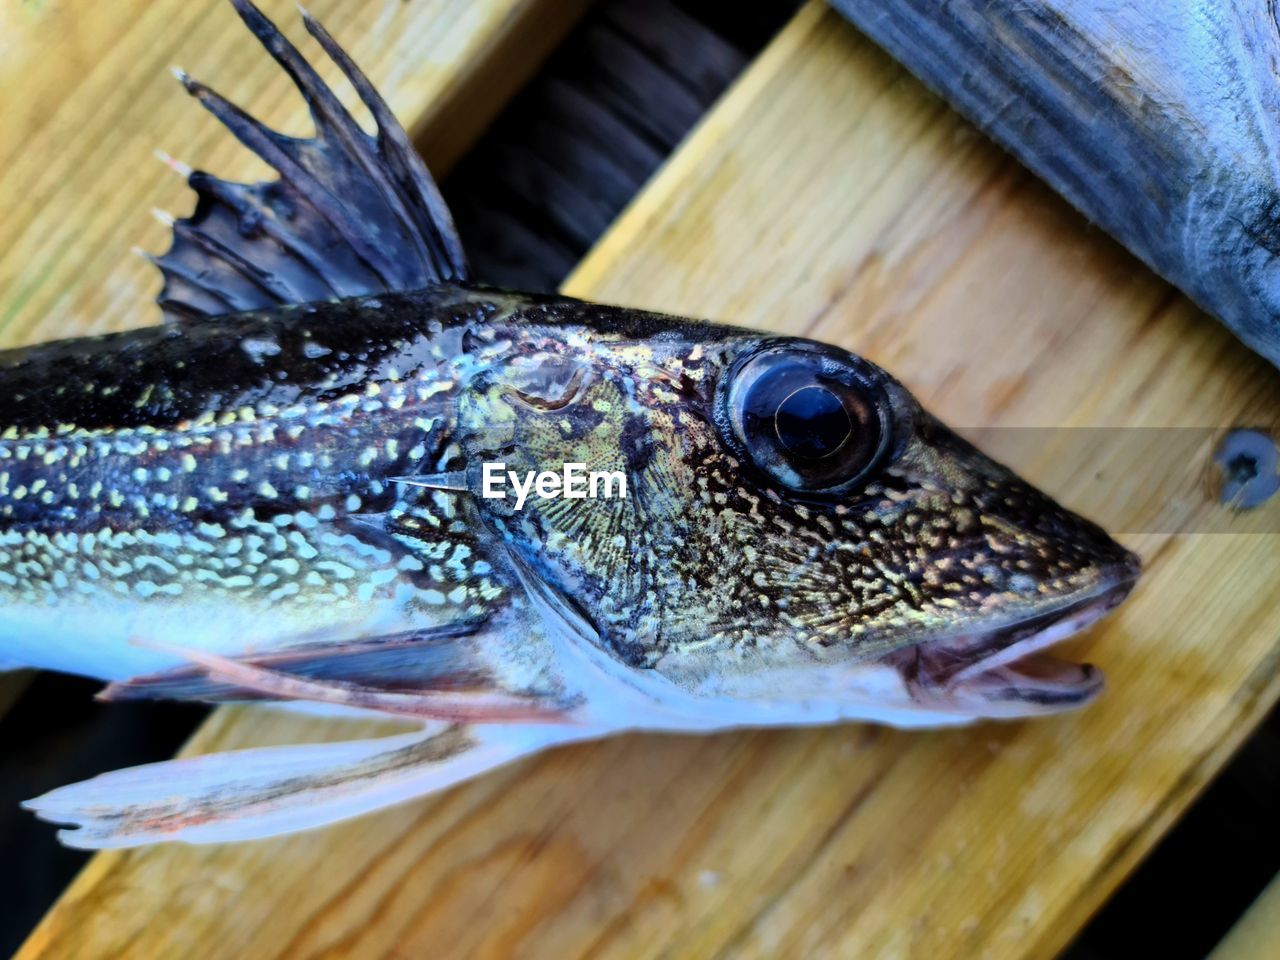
{"points": [[1004, 671]]}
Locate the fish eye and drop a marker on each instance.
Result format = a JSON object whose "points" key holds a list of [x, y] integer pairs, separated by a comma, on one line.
{"points": [[812, 418]]}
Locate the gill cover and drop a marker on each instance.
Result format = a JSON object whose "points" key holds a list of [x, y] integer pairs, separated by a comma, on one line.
{"points": [[720, 435]]}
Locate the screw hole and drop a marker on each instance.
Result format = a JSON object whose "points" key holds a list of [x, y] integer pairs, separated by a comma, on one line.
{"points": [[1248, 463]]}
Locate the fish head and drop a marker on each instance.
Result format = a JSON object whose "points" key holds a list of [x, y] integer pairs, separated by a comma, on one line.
{"points": [[798, 540]]}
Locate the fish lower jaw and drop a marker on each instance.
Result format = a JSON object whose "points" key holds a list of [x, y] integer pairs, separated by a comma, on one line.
{"points": [[1000, 674], [1006, 673]]}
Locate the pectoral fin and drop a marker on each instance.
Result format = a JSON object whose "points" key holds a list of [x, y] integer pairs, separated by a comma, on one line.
{"points": [[426, 675], [481, 704], [249, 794]]}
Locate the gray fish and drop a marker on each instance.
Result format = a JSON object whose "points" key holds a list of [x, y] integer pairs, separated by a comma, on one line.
{"points": [[343, 477], [1158, 121]]}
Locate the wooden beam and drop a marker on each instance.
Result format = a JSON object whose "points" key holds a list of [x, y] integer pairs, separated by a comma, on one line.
{"points": [[827, 194], [1256, 935]]}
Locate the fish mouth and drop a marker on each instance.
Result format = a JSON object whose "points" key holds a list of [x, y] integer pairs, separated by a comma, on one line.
{"points": [[1005, 671]]}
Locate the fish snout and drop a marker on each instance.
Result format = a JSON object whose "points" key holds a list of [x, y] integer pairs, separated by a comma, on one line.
{"points": [[1046, 552]]}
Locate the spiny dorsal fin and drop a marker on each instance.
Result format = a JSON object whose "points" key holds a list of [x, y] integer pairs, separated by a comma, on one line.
{"points": [[351, 214]]}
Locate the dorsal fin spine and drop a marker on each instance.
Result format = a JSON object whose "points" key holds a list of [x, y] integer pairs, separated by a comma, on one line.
{"points": [[390, 131], [324, 106], [265, 142], [351, 214]]}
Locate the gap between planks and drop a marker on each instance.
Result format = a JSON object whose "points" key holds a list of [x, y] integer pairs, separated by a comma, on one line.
{"points": [[826, 194], [11, 687]]}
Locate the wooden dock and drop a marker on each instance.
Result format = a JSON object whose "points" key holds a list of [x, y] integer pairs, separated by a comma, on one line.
{"points": [[828, 195]]}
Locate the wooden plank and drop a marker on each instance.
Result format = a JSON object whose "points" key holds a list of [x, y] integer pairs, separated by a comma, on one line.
{"points": [[1256, 935], [88, 100], [826, 194]]}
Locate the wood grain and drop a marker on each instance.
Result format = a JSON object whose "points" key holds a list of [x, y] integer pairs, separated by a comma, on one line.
{"points": [[826, 194], [1256, 935], [88, 100]]}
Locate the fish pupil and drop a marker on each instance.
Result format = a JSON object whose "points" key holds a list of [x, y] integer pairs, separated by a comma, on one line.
{"points": [[812, 423]]}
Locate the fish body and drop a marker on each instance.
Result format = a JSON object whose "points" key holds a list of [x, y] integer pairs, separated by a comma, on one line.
{"points": [[196, 486], [280, 495], [249, 485]]}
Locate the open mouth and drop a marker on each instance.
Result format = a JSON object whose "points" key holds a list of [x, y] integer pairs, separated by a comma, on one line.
{"points": [[1006, 670]]}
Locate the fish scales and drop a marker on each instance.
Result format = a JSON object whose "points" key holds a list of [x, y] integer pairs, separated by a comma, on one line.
{"points": [[218, 467]]}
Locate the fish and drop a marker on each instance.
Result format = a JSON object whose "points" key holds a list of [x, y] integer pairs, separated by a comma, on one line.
{"points": [[1157, 121], [293, 493]]}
